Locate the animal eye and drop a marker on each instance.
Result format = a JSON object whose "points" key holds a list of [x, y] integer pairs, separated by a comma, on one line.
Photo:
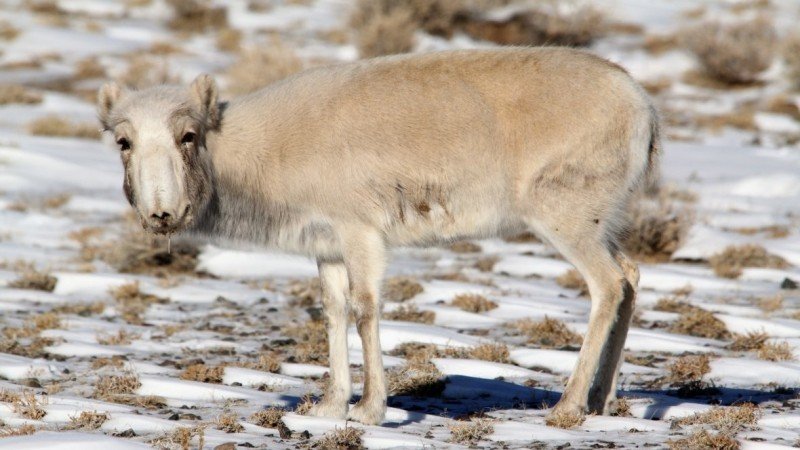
{"points": [[187, 138], [124, 144]]}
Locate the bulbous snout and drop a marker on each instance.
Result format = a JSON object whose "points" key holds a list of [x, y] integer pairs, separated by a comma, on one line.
{"points": [[167, 220]]}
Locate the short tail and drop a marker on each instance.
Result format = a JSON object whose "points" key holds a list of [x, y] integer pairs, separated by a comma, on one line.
{"points": [[652, 174]]}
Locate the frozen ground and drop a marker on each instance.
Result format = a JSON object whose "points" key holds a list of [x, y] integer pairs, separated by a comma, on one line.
{"points": [[239, 304]]}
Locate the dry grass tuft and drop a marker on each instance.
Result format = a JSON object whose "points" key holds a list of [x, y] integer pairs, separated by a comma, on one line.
{"points": [[486, 264], [548, 23], [728, 419], [465, 247], [305, 405], [197, 16], [8, 32], [229, 40], [385, 33], [56, 126], [87, 420], [123, 337], [688, 369], [268, 418], [572, 279], [139, 253], [701, 323], [702, 439], [305, 293], [410, 313], [132, 302], [400, 289], [35, 280], [312, 342], [145, 71], [229, 423], [791, 57], [347, 438], [15, 93], [29, 406], [564, 419], [753, 340], [181, 438], [495, 352], [770, 303], [730, 262], [548, 333], [203, 373], [470, 432], [657, 228], [115, 387], [416, 378], [776, 351], [267, 363], [734, 53], [473, 303], [22, 430], [259, 67]]}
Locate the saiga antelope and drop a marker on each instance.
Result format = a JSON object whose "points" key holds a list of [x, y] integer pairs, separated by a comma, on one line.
{"points": [[342, 163]]}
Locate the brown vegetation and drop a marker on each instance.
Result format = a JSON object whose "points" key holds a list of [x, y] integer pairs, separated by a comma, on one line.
{"points": [[791, 57], [400, 289], [572, 279], [734, 53], [465, 247], [35, 280], [229, 423], [347, 438], [312, 342], [132, 302], [259, 67], [474, 303], [16, 93], [696, 321], [197, 16], [416, 378], [410, 313], [56, 126], [470, 432], [564, 419], [656, 228], [548, 333], [203, 373], [268, 418], [688, 369], [730, 262], [87, 420], [30, 406]]}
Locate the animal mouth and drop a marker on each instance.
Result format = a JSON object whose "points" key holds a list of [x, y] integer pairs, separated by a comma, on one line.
{"points": [[169, 226]]}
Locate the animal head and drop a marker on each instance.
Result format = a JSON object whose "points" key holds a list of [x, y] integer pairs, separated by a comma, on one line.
{"points": [[161, 134]]}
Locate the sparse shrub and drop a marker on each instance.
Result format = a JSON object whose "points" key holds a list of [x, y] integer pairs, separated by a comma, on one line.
{"points": [[35, 280], [312, 342], [699, 322], [229, 39], [753, 340], [416, 378], [88, 420], [470, 432], [123, 337], [29, 406], [778, 351], [473, 303], [347, 438], [15, 93], [400, 289], [132, 302], [8, 32], [548, 333], [259, 67], [730, 262], [268, 418], [656, 229], [688, 369], [59, 127], [547, 23], [734, 53], [791, 56], [564, 419], [410, 313], [486, 264], [465, 247], [305, 293], [229, 423], [203, 373], [703, 439], [181, 438], [727, 419], [22, 430], [111, 387], [144, 71], [495, 352], [572, 279], [197, 16]]}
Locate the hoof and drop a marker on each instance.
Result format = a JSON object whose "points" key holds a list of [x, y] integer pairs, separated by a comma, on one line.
{"points": [[330, 409], [368, 413]]}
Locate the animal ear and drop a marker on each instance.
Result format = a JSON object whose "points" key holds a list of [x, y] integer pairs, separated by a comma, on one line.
{"points": [[107, 97], [204, 91]]}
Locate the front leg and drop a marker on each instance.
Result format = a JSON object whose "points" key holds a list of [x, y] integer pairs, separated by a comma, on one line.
{"points": [[333, 279], [365, 258]]}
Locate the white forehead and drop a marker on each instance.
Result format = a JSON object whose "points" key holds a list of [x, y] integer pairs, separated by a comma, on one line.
{"points": [[149, 112]]}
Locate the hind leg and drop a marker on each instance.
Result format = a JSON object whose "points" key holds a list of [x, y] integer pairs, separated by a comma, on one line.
{"points": [[592, 383]]}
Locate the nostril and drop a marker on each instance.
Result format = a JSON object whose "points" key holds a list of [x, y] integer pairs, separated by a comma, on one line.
{"points": [[163, 216]]}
